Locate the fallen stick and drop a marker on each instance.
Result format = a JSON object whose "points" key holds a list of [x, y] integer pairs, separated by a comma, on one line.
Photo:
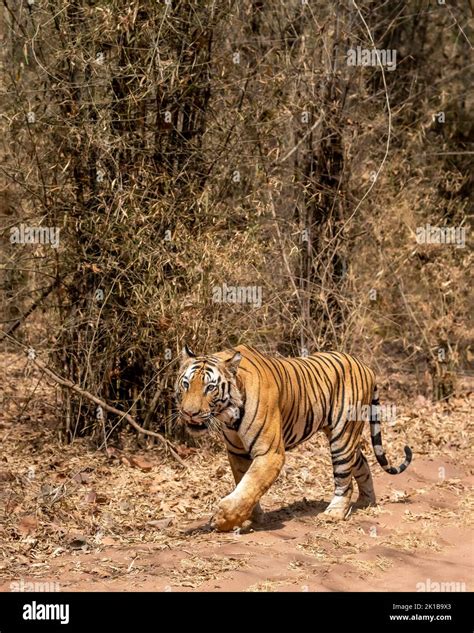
{"points": [[64, 382]]}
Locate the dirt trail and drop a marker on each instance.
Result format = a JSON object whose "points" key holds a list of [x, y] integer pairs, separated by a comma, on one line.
{"points": [[414, 538]]}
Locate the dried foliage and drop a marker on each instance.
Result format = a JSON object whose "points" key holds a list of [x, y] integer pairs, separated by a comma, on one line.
{"points": [[179, 147]]}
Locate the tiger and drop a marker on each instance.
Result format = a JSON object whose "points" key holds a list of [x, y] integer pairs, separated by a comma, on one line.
{"points": [[264, 405]]}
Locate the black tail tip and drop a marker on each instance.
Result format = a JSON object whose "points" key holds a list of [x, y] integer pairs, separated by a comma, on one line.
{"points": [[408, 455], [406, 463], [396, 471]]}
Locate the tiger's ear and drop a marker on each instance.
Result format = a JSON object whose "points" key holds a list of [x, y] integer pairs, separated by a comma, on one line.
{"points": [[186, 353], [233, 362]]}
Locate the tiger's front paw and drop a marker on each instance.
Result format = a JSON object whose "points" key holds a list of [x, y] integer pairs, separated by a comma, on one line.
{"points": [[231, 513]]}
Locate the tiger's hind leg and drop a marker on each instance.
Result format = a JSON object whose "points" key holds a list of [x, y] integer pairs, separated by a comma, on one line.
{"points": [[364, 481], [345, 455]]}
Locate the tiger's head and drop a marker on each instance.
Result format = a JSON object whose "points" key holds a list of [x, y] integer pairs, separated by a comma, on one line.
{"points": [[207, 394]]}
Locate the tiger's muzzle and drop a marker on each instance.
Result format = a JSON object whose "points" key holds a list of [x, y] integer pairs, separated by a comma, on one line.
{"points": [[196, 423]]}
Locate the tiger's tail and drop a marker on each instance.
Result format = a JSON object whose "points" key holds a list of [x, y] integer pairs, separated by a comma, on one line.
{"points": [[376, 437]]}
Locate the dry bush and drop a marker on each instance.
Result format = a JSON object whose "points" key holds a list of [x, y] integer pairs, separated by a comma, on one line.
{"points": [[181, 147]]}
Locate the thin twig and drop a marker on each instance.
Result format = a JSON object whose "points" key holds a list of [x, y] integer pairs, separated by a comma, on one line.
{"points": [[14, 326]]}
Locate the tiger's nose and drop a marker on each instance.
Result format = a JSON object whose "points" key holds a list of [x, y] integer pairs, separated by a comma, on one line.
{"points": [[190, 413]]}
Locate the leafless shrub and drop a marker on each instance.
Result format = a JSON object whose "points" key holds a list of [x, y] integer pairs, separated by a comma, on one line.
{"points": [[183, 147]]}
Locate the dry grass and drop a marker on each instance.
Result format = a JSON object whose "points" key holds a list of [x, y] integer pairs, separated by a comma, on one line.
{"points": [[266, 586], [194, 571]]}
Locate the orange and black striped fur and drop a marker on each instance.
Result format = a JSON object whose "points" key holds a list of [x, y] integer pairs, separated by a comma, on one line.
{"points": [[265, 405]]}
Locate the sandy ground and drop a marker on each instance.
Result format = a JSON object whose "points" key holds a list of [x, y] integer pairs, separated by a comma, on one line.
{"points": [[125, 520]]}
